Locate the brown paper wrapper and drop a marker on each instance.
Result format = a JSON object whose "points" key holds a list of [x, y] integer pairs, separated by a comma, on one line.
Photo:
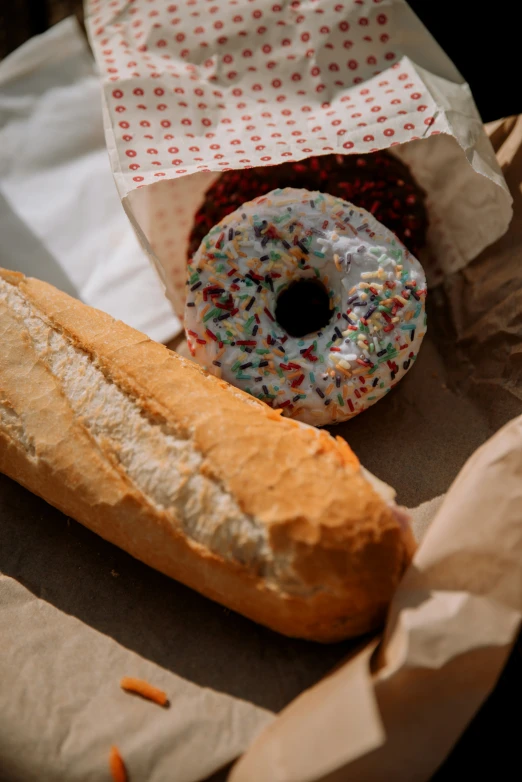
{"points": [[458, 609], [76, 614], [450, 629]]}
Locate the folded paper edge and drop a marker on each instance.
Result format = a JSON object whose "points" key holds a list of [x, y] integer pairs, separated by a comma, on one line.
{"points": [[269, 745]]}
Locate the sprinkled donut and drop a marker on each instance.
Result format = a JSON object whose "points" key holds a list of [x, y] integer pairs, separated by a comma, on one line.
{"points": [[306, 302], [378, 182]]}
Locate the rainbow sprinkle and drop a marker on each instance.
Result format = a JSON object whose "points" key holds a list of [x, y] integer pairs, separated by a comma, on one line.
{"points": [[376, 291]]}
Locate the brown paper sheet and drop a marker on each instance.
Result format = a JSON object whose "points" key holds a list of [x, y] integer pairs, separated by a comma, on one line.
{"points": [[65, 708], [449, 632], [456, 613], [443, 663], [77, 614]]}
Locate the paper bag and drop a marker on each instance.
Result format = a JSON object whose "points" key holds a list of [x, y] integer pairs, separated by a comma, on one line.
{"points": [[191, 89]]}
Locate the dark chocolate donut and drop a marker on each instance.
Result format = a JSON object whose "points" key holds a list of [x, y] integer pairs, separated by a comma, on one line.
{"points": [[377, 182]]}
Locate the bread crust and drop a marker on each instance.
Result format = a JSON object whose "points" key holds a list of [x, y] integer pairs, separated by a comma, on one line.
{"points": [[346, 545]]}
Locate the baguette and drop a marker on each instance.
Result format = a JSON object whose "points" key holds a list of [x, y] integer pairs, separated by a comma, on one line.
{"points": [[272, 518]]}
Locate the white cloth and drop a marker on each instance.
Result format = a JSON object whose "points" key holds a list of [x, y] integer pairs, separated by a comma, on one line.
{"points": [[60, 215]]}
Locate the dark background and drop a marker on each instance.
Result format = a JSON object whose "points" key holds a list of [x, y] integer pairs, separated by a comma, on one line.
{"points": [[482, 47]]}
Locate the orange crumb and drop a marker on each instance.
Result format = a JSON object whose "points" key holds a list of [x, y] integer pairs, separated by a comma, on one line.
{"points": [[346, 452], [326, 442], [146, 690], [117, 766]]}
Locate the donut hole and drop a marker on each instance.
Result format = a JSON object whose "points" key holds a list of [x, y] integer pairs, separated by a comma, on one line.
{"points": [[303, 307]]}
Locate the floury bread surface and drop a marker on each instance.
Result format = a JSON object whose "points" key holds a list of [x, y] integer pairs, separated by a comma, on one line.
{"points": [[273, 519]]}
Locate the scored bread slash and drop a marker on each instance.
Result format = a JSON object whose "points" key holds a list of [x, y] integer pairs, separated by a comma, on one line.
{"points": [[146, 690], [270, 517], [117, 766]]}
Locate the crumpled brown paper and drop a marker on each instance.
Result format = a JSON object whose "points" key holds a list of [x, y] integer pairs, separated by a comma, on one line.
{"points": [[449, 631], [62, 707], [76, 614], [457, 611]]}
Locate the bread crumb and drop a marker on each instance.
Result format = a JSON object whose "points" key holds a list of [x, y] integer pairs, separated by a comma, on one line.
{"points": [[143, 688], [117, 766]]}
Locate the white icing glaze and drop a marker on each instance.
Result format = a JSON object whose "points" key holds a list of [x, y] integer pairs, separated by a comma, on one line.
{"points": [[353, 361]]}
